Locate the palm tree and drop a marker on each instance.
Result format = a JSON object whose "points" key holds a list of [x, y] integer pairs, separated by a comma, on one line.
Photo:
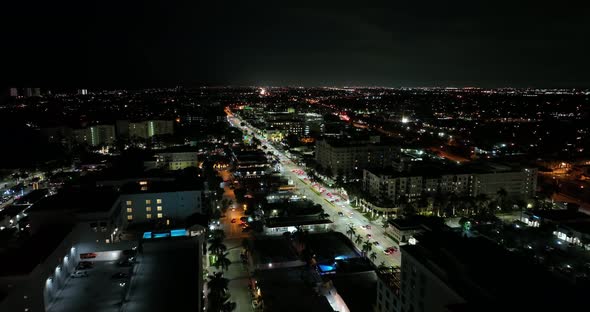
{"points": [[373, 256], [218, 295], [481, 203], [501, 195], [217, 247], [367, 247], [350, 231], [222, 262], [246, 244], [358, 239]]}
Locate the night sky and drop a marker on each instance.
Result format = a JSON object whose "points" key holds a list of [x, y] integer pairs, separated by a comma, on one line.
{"points": [[395, 43]]}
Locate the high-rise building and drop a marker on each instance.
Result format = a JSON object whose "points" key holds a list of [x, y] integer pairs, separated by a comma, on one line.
{"points": [[13, 92], [149, 128], [96, 135]]}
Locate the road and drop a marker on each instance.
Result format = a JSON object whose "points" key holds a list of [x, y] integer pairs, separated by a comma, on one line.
{"points": [[341, 223]]}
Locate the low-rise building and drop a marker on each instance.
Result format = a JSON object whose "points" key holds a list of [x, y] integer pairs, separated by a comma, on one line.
{"points": [[160, 201]]}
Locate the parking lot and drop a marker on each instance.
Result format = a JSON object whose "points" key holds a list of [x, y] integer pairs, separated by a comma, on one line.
{"points": [[99, 291]]}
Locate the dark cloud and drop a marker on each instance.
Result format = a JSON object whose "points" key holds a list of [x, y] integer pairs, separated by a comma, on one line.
{"points": [[411, 43]]}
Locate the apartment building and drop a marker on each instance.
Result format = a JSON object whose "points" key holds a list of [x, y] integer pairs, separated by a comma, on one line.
{"points": [[149, 128], [391, 184], [347, 156], [95, 135], [147, 201]]}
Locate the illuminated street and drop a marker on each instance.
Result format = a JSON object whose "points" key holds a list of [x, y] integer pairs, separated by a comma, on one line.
{"points": [[341, 223]]}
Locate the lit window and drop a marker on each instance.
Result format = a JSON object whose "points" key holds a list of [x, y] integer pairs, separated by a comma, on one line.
{"points": [[129, 203], [159, 208], [108, 241], [129, 210], [129, 217], [148, 201], [149, 215], [159, 215], [158, 201], [148, 208], [167, 221], [142, 182]]}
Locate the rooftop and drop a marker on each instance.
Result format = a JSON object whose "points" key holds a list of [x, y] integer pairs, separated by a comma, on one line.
{"points": [[77, 200], [483, 272], [23, 256], [560, 215], [161, 187], [417, 221], [288, 290], [357, 289]]}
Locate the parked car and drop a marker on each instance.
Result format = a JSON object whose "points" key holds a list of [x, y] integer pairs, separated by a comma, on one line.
{"points": [[83, 265], [77, 274], [340, 214]]}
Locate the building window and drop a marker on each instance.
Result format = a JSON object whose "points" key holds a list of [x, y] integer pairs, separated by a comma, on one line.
{"points": [[129, 210], [160, 215], [129, 203], [129, 217], [148, 216], [148, 201], [148, 208], [158, 201], [159, 208]]}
